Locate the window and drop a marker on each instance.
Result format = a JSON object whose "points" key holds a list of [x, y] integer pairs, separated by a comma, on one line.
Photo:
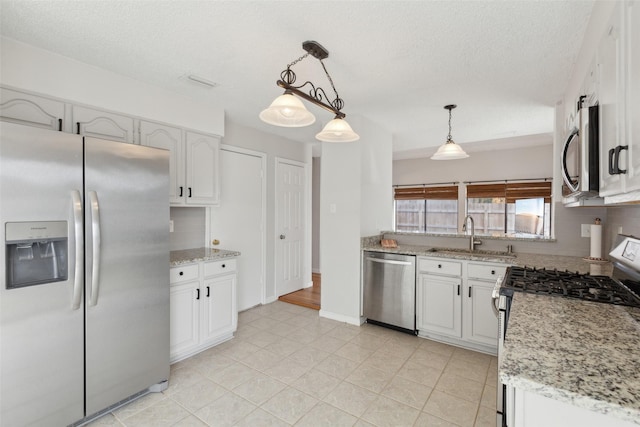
{"points": [[427, 209], [521, 208]]}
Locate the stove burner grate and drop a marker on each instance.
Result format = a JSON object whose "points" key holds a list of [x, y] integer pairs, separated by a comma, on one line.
{"points": [[568, 284]]}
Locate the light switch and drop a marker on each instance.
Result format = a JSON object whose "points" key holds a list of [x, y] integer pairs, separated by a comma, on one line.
{"points": [[170, 226], [586, 230]]}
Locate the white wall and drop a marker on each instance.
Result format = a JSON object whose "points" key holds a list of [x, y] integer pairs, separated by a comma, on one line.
{"points": [[273, 146], [517, 163], [26, 67], [352, 202]]}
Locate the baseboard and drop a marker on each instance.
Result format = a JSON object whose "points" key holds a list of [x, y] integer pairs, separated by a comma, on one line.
{"points": [[340, 317], [270, 300]]}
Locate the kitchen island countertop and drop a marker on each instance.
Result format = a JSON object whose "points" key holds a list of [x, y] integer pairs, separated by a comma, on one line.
{"points": [[189, 256], [578, 352]]}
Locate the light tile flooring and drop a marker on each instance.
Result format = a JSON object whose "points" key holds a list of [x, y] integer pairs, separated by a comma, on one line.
{"points": [[288, 366]]}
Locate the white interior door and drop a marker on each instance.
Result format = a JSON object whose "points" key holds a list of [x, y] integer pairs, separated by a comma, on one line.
{"points": [[290, 226], [239, 222]]}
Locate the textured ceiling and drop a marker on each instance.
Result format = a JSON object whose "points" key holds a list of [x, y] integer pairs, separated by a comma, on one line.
{"points": [[396, 63]]}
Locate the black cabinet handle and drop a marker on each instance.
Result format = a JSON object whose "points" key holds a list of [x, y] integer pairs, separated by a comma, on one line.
{"points": [[469, 291], [458, 289], [611, 170], [439, 265], [59, 125], [180, 195], [198, 293], [181, 273], [189, 191], [616, 159], [78, 128], [208, 293], [493, 272]]}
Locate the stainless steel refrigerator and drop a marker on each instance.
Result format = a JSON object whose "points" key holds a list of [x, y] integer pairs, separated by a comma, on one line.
{"points": [[84, 301]]}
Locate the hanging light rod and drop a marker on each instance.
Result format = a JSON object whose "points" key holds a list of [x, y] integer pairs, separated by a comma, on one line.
{"points": [[288, 111], [449, 150]]}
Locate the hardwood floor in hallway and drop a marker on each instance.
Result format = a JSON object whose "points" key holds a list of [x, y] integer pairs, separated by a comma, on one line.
{"points": [[308, 297]]}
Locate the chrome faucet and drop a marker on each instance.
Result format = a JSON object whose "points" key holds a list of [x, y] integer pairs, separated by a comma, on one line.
{"points": [[473, 242]]}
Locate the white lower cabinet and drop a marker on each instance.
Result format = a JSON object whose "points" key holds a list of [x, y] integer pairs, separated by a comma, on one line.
{"points": [[532, 410], [481, 322], [453, 302], [203, 307]]}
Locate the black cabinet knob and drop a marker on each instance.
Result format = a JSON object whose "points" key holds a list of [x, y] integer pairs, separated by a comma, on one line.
{"points": [[224, 265], [439, 265], [493, 272]]}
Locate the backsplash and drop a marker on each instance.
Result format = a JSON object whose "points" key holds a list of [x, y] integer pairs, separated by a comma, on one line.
{"points": [[627, 217], [188, 228]]}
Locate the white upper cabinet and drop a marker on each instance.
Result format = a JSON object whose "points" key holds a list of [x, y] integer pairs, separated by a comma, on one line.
{"points": [[610, 94], [169, 138], [202, 167], [31, 110], [618, 59], [102, 124], [632, 100]]}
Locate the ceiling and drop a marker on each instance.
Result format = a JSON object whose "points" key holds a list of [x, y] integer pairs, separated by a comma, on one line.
{"points": [[395, 63]]}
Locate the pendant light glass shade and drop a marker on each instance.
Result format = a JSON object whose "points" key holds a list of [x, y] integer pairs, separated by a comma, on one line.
{"points": [[337, 130], [449, 150], [287, 111]]}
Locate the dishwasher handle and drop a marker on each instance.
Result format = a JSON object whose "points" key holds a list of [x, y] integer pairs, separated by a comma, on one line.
{"points": [[388, 261]]}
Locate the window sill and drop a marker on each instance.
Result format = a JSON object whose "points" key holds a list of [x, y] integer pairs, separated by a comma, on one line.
{"points": [[495, 236]]}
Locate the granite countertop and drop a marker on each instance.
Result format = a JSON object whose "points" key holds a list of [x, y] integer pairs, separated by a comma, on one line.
{"points": [[582, 353], [189, 256], [560, 262]]}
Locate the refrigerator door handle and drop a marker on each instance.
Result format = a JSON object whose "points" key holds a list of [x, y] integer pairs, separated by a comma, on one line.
{"points": [[77, 223], [95, 237]]}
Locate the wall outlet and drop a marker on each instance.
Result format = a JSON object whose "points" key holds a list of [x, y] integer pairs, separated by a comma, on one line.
{"points": [[586, 230]]}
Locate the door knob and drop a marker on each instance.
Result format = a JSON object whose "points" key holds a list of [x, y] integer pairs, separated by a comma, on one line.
{"points": [[282, 236]]}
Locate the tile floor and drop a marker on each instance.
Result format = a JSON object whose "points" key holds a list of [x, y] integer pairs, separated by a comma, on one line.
{"points": [[287, 366]]}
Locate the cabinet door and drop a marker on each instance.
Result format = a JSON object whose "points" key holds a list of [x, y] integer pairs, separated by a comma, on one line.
{"points": [[480, 321], [169, 138], [102, 124], [632, 82], [31, 110], [203, 152], [610, 93], [439, 302], [219, 316], [184, 319]]}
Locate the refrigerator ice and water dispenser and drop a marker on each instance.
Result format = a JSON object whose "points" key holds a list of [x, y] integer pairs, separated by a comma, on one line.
{"points": [[36, 253]]}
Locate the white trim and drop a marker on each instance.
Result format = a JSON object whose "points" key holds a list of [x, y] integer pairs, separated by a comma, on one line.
{"points": [[263, 224], [306, 262], [341, 318]]}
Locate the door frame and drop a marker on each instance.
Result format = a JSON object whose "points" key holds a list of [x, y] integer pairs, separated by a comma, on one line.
{"points": [[306, 244], [263, 210]]}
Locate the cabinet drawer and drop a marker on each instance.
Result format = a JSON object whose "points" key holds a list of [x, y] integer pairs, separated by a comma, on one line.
{"points": [[440, 266], [183, 273], [486, 272], [219, 267]]}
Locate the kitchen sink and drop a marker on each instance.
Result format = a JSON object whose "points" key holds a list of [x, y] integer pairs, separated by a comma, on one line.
{"points": [[479, 252]]}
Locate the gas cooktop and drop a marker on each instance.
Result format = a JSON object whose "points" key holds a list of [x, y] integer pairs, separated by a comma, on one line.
{"points": [[571, 285]]}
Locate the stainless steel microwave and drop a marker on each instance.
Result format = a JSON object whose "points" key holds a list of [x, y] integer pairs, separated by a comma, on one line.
{"points": [[580, 159]]}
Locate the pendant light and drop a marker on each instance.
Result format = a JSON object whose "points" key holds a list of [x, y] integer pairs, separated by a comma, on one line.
{"points": [[337, 130], [449, 150], [288, 111]]}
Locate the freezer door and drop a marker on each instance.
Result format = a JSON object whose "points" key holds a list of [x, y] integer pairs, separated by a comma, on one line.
{"points": [[127, 270], [41, 323]]}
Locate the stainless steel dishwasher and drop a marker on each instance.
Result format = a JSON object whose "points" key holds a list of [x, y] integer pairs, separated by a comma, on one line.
{"points": [[389, 290]]}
